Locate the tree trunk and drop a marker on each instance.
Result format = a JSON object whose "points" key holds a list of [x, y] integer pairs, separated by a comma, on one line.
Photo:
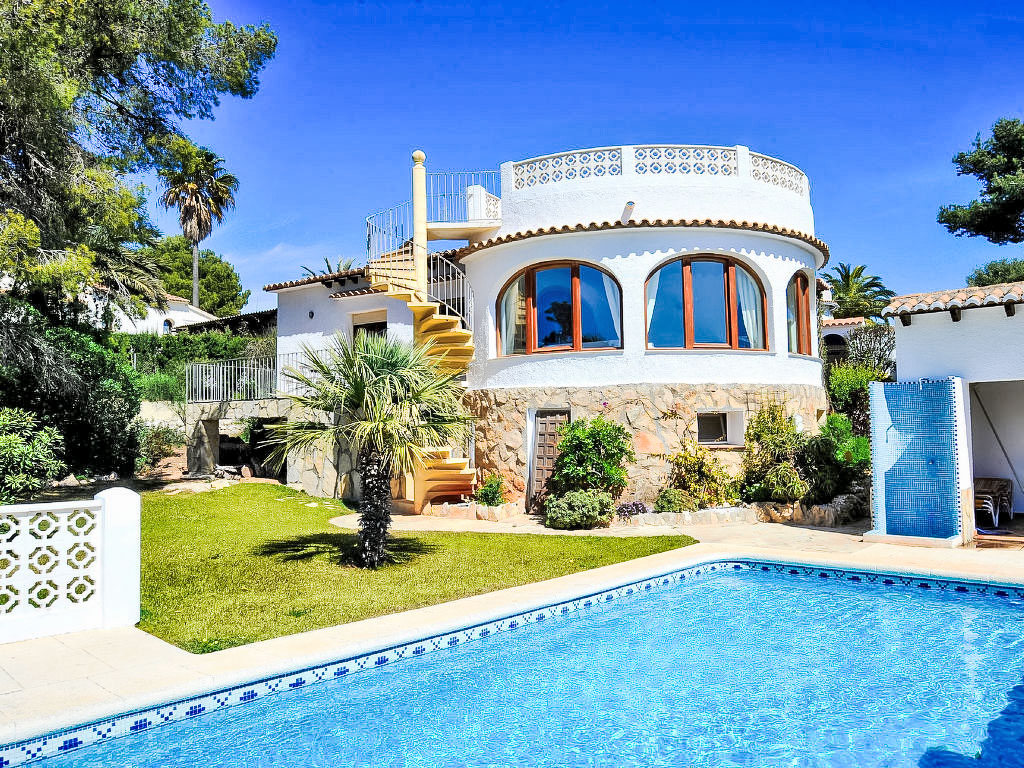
{"points": [[195, 275], [374, 508]]}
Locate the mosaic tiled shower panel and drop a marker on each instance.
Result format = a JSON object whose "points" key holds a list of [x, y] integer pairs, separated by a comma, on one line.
{"points": [[914, 457]]}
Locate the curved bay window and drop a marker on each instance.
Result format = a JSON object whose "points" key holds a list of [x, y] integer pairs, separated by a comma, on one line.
{"points": [[560, 307], [704, 302], [798, 314]]}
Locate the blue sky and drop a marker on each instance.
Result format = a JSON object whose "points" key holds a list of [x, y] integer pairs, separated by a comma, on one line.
{"points": [[870, 102]]}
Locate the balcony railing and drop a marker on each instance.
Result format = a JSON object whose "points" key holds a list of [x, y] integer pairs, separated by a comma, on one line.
{"points": [[459, 196], [244, 378]]}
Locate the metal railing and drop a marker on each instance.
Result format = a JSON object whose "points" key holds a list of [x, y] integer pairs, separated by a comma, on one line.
{"points": [[454, 196], [389, 246], [448, 286], [244, 378]]}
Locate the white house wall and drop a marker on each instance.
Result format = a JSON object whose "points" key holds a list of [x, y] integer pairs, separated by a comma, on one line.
{"points": [[630, 255], [179, 315], [985, 345], [296, 328]]}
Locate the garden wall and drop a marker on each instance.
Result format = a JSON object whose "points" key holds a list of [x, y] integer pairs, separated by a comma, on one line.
{"points": [[660, 417]]}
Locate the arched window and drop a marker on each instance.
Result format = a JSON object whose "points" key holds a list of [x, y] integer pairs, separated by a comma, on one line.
{"points": [[168, 326], [560, 307], [798, 315], [705, 302]]}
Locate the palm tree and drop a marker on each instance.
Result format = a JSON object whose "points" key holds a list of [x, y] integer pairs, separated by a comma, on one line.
{"points": [[202, 191], [344, 265], [858, 294], [388, 402]]}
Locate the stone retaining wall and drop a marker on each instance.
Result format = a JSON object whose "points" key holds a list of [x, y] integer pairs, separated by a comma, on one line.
{"points": [[660, 416]]}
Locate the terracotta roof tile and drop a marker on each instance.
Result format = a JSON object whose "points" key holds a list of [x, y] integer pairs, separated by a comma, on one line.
{"points": [[596, 227], [839, 322], [366, 291], [358, 272], [962, 298]]}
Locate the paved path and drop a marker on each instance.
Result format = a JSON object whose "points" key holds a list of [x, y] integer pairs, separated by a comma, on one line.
{"points": [[61, 681]]}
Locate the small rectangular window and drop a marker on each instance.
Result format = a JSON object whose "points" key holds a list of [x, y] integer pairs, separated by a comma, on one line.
{"points": [[712, 428]]}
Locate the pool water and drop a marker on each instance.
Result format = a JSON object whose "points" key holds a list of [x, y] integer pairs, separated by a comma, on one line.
{"points": [[737, 668]]}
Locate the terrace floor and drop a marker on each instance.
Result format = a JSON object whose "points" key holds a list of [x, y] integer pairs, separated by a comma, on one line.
{"points": [[61, 681]]}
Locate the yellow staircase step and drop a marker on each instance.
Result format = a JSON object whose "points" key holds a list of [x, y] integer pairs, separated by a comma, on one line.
{"points": [[453, 337]]}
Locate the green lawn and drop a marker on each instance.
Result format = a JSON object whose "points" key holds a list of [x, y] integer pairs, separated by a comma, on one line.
{"points": [[251, 562]]}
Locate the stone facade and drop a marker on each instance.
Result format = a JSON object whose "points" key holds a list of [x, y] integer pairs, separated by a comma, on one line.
{"points": [[660, 416]]}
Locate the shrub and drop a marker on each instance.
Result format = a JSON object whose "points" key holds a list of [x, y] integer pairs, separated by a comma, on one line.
{"points": [[592, 456], [578, 509], [155, 354], [631, 509], [156, 387], [674, 500], [833, 460], [872, 346], [158, 443], [848, 392], [96, 416], [701, 476], [769, 468], [29, 454], [491, 492]]}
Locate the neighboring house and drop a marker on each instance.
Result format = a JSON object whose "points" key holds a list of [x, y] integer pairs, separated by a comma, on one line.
{"points": [[258, 323], [179, 313], [976, 334], [668, 287], [835, 335]]}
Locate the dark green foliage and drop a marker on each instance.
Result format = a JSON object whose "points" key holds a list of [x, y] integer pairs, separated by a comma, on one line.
{"points": [[998, 271], [156, 354], [220, 289], [578, 510], [674, 500], [97, 416], [848, 392], [998, 162], [833, 460], [592, 456], [158, 443], [491, 492], [29, 455], [701, 476], [769, 464], [157, 387]]}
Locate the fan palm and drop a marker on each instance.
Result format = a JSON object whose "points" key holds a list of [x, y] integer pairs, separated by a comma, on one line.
{"points": [[202, 191], [856, 293], [343, 265], [388, 402]]}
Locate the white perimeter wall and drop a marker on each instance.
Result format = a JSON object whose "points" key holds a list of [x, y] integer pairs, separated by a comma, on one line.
{"points": [[985, 345], [295, 327], [631, 255]]}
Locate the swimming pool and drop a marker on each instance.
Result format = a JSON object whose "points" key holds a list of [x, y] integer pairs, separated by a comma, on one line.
{"points": [[732, 664]]}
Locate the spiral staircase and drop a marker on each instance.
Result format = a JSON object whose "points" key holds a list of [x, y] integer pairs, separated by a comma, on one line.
{"points": [[439, 296]]}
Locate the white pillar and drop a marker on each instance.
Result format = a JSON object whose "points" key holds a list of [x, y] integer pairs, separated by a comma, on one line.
{"points": [[121, 557], [419, 219]]}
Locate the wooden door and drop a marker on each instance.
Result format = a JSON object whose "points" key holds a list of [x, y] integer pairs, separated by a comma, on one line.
{"points": [[545, 448]]}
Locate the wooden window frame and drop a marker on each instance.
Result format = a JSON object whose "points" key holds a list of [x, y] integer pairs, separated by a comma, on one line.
{"points": [[577, 309], [803, 314], [731, 306]]}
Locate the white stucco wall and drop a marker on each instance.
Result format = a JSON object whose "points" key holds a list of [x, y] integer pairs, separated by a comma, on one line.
{"points": [[602, 198], [296, 328], [1004, 403], [178, 312], [630, 255], [985, 345]]}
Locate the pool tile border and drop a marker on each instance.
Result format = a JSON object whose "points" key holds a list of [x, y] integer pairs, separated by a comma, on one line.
{"points": [[70, 739]]}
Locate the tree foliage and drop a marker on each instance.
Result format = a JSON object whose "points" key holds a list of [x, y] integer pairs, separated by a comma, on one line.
{"points": [[872, 346], [998, 271], [998, 162], [220, 288], [29, 455], [385, 400], [857, 293]]}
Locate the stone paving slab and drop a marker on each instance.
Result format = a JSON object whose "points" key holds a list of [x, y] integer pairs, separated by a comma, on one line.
{"points": [[61, 681]]}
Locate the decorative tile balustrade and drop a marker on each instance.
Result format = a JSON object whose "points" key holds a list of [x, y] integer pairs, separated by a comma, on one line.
{"points": [[685, 160], [776, 172], [568, 165]]}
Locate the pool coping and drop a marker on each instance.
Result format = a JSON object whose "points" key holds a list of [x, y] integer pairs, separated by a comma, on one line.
{"points": [[219, 673]]}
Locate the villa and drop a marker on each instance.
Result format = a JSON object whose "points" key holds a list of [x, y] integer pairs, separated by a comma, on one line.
{"points": [[666, 286]]}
